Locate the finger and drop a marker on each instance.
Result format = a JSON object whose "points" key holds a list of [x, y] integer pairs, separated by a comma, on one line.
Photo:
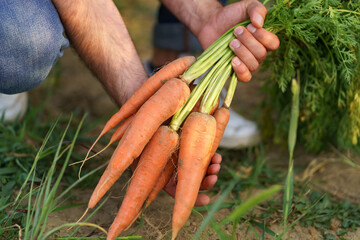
{"points": [[269, 40], [213, 169], [208, 182], [252, 44], [244, 55], [216, 159], [202, 200], [170, 187], [242, 72], [256, 12]]}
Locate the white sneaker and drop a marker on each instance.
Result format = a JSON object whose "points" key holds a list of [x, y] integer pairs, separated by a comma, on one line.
{"points": [[13, 106], [240, 133]]}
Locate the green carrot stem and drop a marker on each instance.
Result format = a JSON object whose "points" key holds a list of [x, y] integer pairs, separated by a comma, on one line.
{"points": [[212, 93], [198, 91], [202, 65], [211, 55], [230, 91]]}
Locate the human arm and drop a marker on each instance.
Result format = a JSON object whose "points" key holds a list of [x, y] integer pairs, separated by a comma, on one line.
{"points": [[99, 35], [208, 20]]}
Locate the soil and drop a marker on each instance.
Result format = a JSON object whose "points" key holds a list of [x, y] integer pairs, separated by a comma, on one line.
{"points": [[327, 171]]}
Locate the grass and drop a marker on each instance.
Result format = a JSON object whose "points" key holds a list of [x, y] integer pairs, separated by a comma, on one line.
{"points": [[31, 192]]}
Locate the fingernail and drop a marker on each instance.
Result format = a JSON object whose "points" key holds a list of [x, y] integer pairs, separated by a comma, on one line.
{"points": [[238, 31], [234, 44], [236, 61], [251, 28], [258, 19]]}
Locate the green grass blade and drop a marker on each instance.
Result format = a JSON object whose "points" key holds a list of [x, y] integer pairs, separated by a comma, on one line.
{"points": [[68, 225], [249, 204], [299, 218], [28, 216], [50, 189], [50, 203], [214, 208], [91, 214], [289, 183], [63, 193], [37, 157], [295, 89]]}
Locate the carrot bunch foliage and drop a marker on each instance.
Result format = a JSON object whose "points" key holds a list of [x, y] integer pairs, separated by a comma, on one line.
{"points": [[320, 43]]}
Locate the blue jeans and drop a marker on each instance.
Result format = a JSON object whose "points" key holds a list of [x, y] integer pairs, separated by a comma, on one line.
{"points": [[31, 41]]}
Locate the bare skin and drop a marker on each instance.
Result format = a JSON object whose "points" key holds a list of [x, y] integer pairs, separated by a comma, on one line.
{"points": [[99, 35], [208, 20]]}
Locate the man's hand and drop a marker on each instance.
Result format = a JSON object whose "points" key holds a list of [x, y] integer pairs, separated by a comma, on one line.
{"points": [[208, 20], [251, 43]]}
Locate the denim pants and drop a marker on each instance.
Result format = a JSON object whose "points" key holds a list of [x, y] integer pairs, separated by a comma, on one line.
{"points": [[31, 41]]}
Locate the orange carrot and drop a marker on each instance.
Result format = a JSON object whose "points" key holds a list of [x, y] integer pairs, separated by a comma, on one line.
{"points": [[162, 105], [196, 142], [164, 178], [117, 135], [151, 163], [221, 116], [172, 70]]}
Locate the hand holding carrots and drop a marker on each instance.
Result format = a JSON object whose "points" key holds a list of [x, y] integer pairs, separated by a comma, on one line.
{"points": [[251, 44]]}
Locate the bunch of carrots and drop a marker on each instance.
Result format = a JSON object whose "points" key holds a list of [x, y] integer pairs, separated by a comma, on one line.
{"points": [[185, 146]]}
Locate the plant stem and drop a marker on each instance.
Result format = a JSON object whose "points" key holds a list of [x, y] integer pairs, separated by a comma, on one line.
{"points": [[230, 91], [212, 93], [198, 91], [211, 55]]}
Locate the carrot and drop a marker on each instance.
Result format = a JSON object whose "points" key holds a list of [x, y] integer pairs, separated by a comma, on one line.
{"points": [[162, 105], [221, 116], [170, 166], [164, 178], [171, 70], [196, 142], [117, 135], [151, 163]]}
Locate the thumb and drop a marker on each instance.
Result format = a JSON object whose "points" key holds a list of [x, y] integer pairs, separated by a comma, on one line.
{"points": [[235, 13]]}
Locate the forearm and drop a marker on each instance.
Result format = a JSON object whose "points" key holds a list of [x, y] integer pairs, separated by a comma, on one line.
{"points": [[193, 13], [99, 35]]}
